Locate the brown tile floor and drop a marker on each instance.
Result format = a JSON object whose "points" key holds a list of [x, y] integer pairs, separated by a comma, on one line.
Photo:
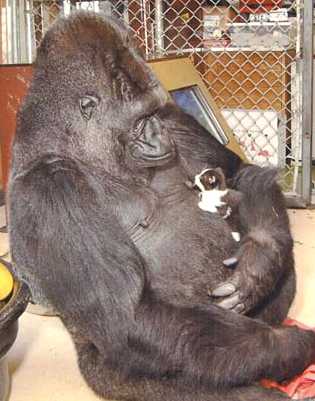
{"points": [[43, 361]]}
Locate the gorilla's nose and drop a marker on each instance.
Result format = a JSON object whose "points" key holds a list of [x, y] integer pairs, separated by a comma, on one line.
{"points": [[158, 143]]}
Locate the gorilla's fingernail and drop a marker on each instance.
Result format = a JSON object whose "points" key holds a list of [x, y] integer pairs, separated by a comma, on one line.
{"points": [[230, 261], [209, 293], [239, 308], [230, 302], [224, 290]]}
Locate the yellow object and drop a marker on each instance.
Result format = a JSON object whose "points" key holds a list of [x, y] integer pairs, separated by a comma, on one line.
{"points": [[6, 282]]}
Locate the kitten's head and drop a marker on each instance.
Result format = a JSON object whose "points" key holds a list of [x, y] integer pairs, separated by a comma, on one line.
{"points": [[208, 180]]}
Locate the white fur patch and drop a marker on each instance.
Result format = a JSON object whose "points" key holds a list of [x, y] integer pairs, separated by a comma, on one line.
{"points": [[228, 212], [211, 200], [236, 235], [198, 182]]}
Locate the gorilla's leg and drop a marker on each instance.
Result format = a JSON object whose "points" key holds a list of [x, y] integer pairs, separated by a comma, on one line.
{"points": [[112, 385]]}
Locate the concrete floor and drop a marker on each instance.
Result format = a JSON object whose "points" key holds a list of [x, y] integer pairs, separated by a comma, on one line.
{"points": [[43, 361]]}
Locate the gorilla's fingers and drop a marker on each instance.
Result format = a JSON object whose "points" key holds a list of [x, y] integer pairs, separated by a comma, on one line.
{"points": [[224, 290], [230, 302], [233, 297], [239, 308]]}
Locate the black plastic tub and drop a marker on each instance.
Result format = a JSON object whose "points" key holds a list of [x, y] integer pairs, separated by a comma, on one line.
{"points": [[9, 314]]}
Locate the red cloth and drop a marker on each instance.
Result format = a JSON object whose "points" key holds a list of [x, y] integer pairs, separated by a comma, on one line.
{"points": [[301, 386], [258, 6]]}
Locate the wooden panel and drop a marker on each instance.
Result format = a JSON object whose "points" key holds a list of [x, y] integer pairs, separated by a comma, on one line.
{"points": [[248, 80], [182, 25], [2, 5], [135, 12], [14, 81], [1, 175]]}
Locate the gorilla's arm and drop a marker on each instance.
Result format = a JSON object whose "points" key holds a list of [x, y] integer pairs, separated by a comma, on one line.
{"points": [[213, 345], [265, 251], [61, 247], [73, 251]]}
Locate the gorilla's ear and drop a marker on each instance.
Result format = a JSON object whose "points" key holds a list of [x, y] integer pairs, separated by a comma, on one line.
{"points": [[87, 105]]}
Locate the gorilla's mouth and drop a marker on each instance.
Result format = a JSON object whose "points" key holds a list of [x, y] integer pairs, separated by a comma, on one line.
{"points": [[164, 156], [147, 159]]}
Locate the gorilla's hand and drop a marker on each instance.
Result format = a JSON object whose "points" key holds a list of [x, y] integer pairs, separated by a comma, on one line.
{"points": [[252, 279], [265, 252]]}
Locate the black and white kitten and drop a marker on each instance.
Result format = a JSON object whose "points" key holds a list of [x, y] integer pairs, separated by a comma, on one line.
{"points": [[215, 197]]}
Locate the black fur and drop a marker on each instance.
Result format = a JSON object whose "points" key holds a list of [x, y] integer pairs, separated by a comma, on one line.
{"points": [[113, 239]]}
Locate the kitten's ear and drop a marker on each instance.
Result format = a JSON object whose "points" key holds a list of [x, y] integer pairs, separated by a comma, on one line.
{"points": [[220, 174], [219, 170]]}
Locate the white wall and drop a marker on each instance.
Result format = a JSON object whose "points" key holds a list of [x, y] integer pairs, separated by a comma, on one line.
{"points": [[313, 133]]}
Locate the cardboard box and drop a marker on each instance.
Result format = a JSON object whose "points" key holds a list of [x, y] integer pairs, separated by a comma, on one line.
{"points": [[261, 133], [263, 35], [278, 15]]}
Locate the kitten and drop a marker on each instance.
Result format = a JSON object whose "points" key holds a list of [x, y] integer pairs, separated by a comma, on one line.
{"points": [[215, 197]]}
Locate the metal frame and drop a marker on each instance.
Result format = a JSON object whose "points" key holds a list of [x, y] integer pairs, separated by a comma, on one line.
{"points": [[307, 113], [159, 29]]}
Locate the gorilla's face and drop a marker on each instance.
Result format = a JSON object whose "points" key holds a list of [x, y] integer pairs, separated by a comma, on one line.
{"points": [[106, 98], [149, 143], [146, 143], [152, 143]]}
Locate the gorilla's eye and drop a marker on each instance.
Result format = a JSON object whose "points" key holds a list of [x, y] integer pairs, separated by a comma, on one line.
{"points": [[139, 125], [87, 105]]}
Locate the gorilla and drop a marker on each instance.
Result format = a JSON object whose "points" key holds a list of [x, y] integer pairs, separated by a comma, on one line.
{"points": [[104, 229]]}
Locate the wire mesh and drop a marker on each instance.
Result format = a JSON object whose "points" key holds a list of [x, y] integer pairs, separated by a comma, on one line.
{"points": [[246, 51], [248, 54]]}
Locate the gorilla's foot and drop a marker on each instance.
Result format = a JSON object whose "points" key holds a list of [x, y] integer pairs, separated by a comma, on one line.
{"points": [[296, 350], [111, 384]]}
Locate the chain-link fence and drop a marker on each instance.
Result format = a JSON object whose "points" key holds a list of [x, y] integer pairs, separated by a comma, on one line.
{"points": [[248, 52]]}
